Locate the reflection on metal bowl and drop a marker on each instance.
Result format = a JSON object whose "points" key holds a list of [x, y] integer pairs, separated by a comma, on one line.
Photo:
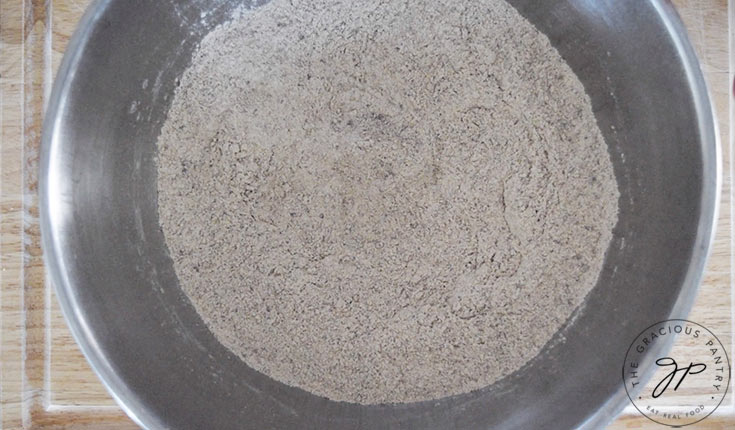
{"points": [[120, 295]]}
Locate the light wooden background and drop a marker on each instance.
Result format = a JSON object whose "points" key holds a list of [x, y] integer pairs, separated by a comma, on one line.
{"points": [[45, 383]]}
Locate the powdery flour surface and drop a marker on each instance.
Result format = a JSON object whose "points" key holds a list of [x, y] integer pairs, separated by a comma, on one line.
{"points": [[384, 201]]}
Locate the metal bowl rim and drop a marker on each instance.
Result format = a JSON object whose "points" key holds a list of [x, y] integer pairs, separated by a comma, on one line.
{"points": [[129, 401]]}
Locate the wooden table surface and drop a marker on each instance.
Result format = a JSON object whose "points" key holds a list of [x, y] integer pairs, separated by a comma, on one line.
{"points": [[45, 382]]}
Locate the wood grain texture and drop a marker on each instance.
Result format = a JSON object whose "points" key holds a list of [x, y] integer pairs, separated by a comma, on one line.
{"points": [[45, 383]]}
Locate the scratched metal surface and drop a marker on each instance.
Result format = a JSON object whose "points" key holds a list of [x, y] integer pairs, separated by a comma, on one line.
{"points": [[45, 381]]}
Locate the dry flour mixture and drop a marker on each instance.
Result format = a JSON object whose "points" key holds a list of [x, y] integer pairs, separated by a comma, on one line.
{"points": [[384, 201]]}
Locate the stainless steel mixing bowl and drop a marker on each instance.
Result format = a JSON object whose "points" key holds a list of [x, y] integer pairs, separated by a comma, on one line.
{"points": [[114, 278]]}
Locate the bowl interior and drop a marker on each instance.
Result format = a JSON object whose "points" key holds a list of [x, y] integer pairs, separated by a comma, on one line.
{"points": [[116, 283]]}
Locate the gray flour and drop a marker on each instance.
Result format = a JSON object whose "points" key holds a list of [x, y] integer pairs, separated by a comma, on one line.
{"points": [[384, 201]]}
